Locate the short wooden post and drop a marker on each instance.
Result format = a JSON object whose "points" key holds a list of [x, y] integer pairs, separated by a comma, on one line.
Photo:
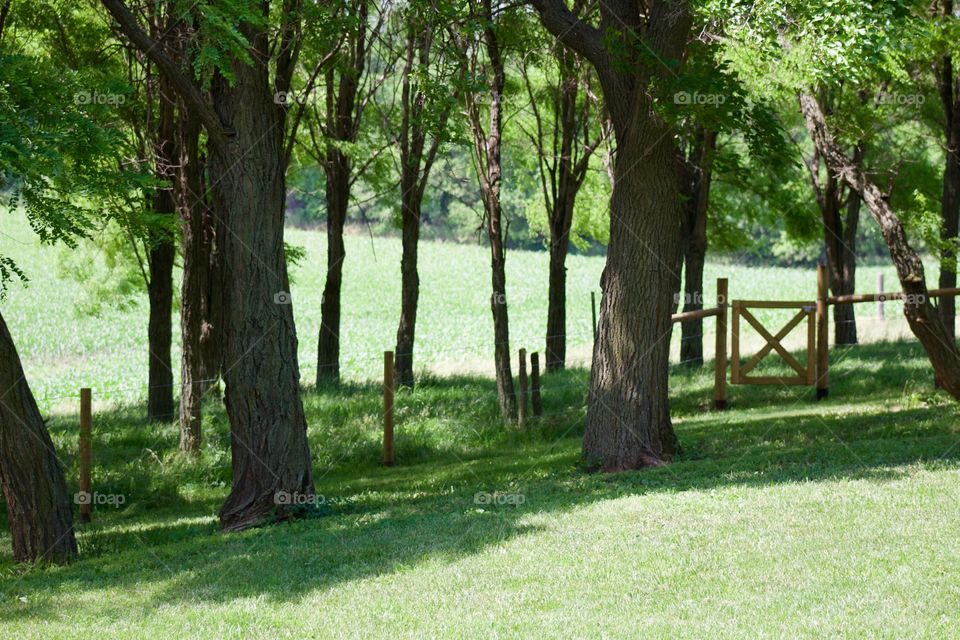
{"points": [[86, 455], [593, 314], [720, 352], [522, 407], [881, 297], [388, 408], [823, 357], [535, 384], [735, 343]]}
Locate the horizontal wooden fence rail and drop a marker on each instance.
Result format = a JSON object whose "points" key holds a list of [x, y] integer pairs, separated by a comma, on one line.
{"points": [[720, 312], [892, 295]]}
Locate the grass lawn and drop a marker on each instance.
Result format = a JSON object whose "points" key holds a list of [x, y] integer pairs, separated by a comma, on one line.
{"points": [[783, 517]]}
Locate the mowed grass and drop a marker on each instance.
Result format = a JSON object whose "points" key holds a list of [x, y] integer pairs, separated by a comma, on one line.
{"points": [[783, 517], [63, 351]]}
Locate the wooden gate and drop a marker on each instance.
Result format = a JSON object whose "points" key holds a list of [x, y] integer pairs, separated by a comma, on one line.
{"points": [[806, 375]]}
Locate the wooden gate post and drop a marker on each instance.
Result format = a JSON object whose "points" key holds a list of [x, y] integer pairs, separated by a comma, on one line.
{"points": [[388, 459], [823, 356], [720, 351], [522, 405], [535, 384], [86, 421]]}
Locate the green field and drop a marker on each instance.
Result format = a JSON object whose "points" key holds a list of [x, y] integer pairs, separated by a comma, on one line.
{"points": [[63, 351], [783, 517]]}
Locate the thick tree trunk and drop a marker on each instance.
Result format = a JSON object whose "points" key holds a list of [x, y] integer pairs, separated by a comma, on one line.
{"points": [[160, 287], [38, 505], [923, 318], [695, 248], [628, 417], [268, 430], [557, 286], [338, 194], [409, 282]]}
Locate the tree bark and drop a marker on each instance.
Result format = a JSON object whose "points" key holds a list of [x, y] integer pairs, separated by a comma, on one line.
{"points": [[949, 87], [487, 149], [409, 283], [160, 288], [695, 248], [560, 222], [195, 327], [628, 418], [38, 505], [337, 170], [268, 429], [923, 318], [246, 131]]}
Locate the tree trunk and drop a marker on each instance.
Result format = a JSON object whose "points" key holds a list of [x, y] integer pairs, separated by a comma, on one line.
{"points": [[843, 269], [487, 147], [560, 222], [193, 212], [695, 248], [949, 87], [923, 318], [501, 322], [38, 505], [160, 332], [268, 430], [410, 282], [160, 287], [628, 417], [338, 193]]}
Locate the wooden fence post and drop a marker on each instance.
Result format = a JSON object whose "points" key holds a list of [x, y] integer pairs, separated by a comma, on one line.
{"points": [[388, 408], [823, 356], [881, 297], [522, 406], [86, 421], [593, 314], [535, 384], [720, 352]]}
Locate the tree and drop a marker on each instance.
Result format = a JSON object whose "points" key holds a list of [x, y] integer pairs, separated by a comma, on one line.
{"points": [[423, 120], [923, 318], [628, 418], [249, 148], [349, 88], [567, 127], [948, 86], [55, 159], [839, 208], [38, 504], [699, 176], [486, 66]]}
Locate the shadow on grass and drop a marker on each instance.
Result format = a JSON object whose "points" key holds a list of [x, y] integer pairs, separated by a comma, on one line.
{"points": [[451, 449]]}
